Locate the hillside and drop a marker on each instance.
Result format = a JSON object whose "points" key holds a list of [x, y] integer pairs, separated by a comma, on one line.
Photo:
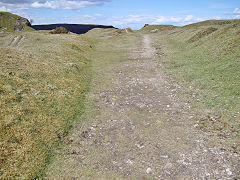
{"points": [[204, 58], [74, 28], [155, 28], [43, 80], [120, 104], [8, 21]]}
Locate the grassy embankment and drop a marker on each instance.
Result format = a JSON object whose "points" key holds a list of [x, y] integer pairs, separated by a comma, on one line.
{"points": [[43, 79], [204, 58]]}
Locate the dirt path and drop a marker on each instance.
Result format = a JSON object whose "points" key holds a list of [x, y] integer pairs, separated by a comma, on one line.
{"points": [[139, 129]]}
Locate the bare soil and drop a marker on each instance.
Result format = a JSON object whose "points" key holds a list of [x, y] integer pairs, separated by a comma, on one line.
{"points": [[140, 129]]}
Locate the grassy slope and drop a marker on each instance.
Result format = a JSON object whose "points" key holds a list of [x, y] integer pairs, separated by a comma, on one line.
{"points": [[8, 20], [159, 27], [209, 68], [42, 86]]}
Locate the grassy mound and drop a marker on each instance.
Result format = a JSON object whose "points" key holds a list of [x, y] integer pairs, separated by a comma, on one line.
{"points": [[217, 23], [102, 33], [8, 21], [42, 87], [59, 30], [124, 31]]}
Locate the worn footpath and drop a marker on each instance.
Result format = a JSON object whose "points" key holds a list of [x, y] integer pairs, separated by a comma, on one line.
{"points": [[135, 127]]}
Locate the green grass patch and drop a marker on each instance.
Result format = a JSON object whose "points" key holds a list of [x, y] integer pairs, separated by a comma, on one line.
{"points": [[208, 68], [42, 90], [8, 20]]}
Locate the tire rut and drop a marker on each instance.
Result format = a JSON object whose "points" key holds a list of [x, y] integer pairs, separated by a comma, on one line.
{"points": [[16, 40]]}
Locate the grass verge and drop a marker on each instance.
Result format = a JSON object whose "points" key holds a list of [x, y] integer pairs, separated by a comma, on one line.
{"points": [[208, 69], [43, 83]]}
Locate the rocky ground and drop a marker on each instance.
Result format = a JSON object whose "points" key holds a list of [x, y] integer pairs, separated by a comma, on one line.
{"points": [[139, 128]]}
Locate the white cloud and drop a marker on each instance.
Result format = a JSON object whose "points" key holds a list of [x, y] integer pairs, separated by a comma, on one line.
{"points": [[4, 9], [13, 7], [65, 4], [236, 11], [16, 5], [175, 20], [189, 18]]}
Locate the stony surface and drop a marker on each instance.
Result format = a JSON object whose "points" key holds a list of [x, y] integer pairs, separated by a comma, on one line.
{"points": [[141, 130], [18, 26]]}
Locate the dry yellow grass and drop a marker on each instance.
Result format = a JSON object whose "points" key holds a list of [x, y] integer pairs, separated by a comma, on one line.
{"points": [[43, 78]]}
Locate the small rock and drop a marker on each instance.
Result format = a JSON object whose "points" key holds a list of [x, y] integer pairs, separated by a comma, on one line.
{"points": [[229, 172], [182, 169], [140, 146], [168, 166], [129, 162], [18, 26], [149, 170]]}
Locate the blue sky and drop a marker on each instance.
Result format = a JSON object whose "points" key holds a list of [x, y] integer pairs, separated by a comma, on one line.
{"points": [[123, 13]]}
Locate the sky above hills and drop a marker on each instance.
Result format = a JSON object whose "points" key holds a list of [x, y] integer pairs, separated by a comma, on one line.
{"points": [[122, 13]]}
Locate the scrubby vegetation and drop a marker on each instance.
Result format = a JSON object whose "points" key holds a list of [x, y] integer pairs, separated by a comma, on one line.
{"points": [[43, 80], [59, 30]]}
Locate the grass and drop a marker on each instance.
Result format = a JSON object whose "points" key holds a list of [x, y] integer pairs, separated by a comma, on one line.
{"points": [[208, 67], [201, 34], [8, 20], [159, 27], [42, 89], [44, 78]]}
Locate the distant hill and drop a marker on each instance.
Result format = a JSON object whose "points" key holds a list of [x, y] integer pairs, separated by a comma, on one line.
{"points": [[75, 28], [207, 23], [8, 22], [156, 28]]}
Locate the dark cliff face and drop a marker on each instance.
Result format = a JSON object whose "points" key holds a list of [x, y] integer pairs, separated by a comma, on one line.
{"points": [[75, 28]]}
